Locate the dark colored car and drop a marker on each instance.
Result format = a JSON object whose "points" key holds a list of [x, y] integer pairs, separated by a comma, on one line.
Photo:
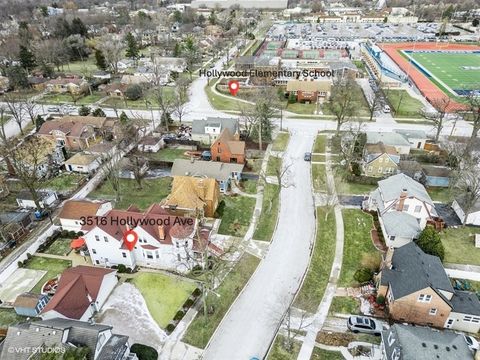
{"points": [[307, 156]]}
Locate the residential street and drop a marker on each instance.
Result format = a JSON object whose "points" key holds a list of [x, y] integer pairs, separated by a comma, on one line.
{"points": [[250, 325]]}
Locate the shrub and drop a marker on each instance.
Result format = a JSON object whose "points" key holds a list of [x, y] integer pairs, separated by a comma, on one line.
{"points": [[84, 110], [134, 92], [179, 315], [20, 264], [380, 300], [429, 241], [170, 327], [80, 233], [361, 179], [144, 352], [29, 256], [98, 112], [64, 233], [72, 234], [197, 292], [122, 268], [363, 275], [188, 303], [356, 169]]}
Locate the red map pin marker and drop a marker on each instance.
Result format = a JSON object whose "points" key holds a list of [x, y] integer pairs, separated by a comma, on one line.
{"points": [[233, 86], [130, 238]]}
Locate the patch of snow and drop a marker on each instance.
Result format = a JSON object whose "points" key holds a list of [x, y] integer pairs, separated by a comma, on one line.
{"points": [[126, 310]]}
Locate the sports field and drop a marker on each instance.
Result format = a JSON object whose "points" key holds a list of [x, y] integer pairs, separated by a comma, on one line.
{"points": [[458, 71]]}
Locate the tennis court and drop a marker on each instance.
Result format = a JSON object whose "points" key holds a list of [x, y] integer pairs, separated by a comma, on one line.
{"points": [[460, 71]]}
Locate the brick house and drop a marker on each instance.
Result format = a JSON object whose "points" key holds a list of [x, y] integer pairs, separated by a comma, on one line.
{"points": [[309, 90], [417, 290], [228, 148]]}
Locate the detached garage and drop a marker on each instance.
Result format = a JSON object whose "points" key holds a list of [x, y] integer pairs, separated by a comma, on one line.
{"points": [[467, 216]]}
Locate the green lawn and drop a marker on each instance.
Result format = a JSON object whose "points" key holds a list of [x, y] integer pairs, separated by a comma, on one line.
{"points": [[460, 245], [9, 317], [320, 144], [54, 267], [443, 195], [224, 103], [321, 354], [82, 67], [65, 182], [281, 142], [91, 98], [318, 273], [274, 165], [164, 294], [249, 186], [350, 188], [268, 217], [358, 246], [278, 351], [147, 101], [153, 191], [236, 213], [319, 158], [409, 106], [319, 177], [345, 305], [60, 246], [202, 328], [167, 154], [255, 165], [301, 108], [57, 99]]}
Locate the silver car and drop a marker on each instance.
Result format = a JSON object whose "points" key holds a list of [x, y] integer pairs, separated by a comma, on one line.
{"points": [[365, 325]]}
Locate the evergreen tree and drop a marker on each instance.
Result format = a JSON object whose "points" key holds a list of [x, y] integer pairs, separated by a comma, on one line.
{"points": [[132, 46], [38, 122], [100, 60], [429, 241], [123, 117], [98, 113], [84, 110], [27, 59], [62, 29], [78, 27], [17, 77], [177, 50]]}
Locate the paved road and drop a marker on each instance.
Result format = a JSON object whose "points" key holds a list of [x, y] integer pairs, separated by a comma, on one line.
{"points": [[250, 325]]}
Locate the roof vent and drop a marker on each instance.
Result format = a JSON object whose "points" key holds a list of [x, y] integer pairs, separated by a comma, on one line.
{"points": [[435, 346], [447, 348], [454, 346], [424, 345]]}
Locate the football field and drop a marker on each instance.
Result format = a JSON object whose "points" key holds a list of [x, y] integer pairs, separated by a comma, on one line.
{"points": [[458, 71]]}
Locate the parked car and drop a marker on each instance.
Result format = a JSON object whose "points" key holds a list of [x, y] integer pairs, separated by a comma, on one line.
{"points": [[471, 342], [364, 324], [386, 109], [307, 156]]}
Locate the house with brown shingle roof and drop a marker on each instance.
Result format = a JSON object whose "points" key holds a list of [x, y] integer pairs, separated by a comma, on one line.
{"points": [[81, 293], [193, 193], [165, 241], [72, 85], [74, 211], [228, 148], [73, 135]]}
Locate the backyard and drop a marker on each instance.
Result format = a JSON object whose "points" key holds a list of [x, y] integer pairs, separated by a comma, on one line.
{"points": [[53, 267], [345, 187], [147, 101], [268, 217], [60, 246], [65, 182], [167, 154], [202, 328], [320, 267], [174, 289], [358, 248], [459, 245], [9, 317], [236, 212], [152, 191]]}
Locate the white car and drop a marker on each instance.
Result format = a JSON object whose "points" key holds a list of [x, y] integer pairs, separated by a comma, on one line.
{"points": [[386, 109], [471, 342]]}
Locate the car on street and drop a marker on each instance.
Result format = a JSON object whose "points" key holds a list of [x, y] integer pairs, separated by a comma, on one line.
{"points": [[365, 325], [307, 156], [386, 109], [471, 342]]}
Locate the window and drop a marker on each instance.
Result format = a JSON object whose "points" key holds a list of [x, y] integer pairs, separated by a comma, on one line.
{"points": [[105, 238], [97, 237], [392, 237], [424, 298], [418, 208], [157, 255], [97, 262], [124, 254], [432, 312], [178, 257], [94, 251], [380, 160], [380, 169], [405, 207], [471, 319], [390, 296], [149, 255], [370, 169]]}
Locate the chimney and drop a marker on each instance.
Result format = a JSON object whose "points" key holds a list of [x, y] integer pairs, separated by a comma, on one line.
{"points": [[161, 232], [403, 196]]}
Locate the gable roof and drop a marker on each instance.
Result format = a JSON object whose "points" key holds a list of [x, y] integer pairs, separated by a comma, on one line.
{"points": [[466, 303], [70, 128], [75, 209], [236, 147], [388, 138], [411, 134], [81, 159], [27, 300], [198, 126], [401, 224], [413, 270], [212, 169], [424, 343], [75, 287], [392, 187], [191, 192]]}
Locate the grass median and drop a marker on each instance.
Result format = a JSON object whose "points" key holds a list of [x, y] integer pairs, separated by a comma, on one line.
{"points": [[281, 141], [268, 217]]}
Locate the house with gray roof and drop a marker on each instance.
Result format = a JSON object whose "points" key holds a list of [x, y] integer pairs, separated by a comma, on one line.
{"points": [[406, 342], [64, 334], [394, 139], [224, 173], [207, 131], [416, 138], [400, 200], [418, 290], [469, 214]]}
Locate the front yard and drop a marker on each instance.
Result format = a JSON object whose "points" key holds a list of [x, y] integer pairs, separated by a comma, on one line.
{"points": [[281, 141], [319, 177], [236, 212], [274, 165], [358, 250], [202, 327], [321, 354], [60, 246], [345, 305], [54, 267], [152, 191], [163, 294], [320, 267], [459, 245], [320, 144], [279, 352], [268, 217]]}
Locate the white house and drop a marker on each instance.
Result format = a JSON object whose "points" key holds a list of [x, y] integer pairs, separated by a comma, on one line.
{"points": [[76, 212], [81, 293], [164, 241], [150, 143], [207, 131], [404, 208], [401, 144], [82, 163], [416, 138], [46, 198], [467, 217]]}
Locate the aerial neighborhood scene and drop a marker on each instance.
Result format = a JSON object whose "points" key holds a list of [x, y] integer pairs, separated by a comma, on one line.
{"points": [[239, 180]]}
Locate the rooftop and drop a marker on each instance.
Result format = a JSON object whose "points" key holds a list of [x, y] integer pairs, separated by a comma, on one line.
{"points": [[212, 169], [388, 138]]}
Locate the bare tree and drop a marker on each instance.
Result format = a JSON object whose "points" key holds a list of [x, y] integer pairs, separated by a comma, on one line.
{"points": [[16, 110], [343, 101], [441, 106], [467, 187], [373, 100], [351, 143], [112, 48], [473, 115], [165, 103], [137, 165], [111, 168]]}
